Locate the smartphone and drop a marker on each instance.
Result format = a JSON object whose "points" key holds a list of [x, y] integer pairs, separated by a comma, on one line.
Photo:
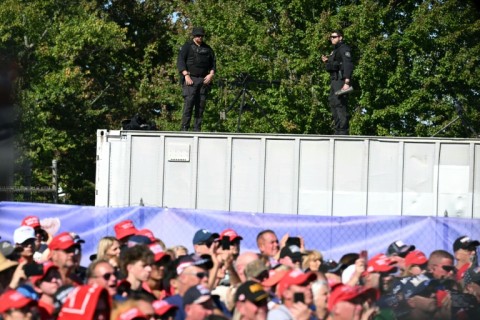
{"points": [[293, 241], [364, 255], [225, 243], [33, 269], [298, 297]]}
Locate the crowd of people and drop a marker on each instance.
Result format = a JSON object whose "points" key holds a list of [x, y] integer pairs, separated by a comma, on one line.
{"points": [[133, 275]]}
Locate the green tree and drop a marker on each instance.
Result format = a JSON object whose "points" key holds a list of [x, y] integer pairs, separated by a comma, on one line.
{"points": [[80, 72], [414, 62], [89, 64]]}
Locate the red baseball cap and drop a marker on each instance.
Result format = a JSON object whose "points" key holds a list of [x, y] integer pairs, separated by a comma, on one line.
{"points": [[161, 307], [342, 292], [124, 229], [62, 241], [46, 266], [380, 263], [294, 277], [415, 257], [146, 233], [82, 302], [274, 277], [230, 233], [158, 252], [31, 221], [12, 299]]}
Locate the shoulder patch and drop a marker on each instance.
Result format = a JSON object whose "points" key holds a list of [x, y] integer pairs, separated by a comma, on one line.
{"points": [[347, 54]]}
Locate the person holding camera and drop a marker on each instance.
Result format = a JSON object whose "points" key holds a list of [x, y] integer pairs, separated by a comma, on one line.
{"points": [[339, 65], [296, 293], [196, 63]]}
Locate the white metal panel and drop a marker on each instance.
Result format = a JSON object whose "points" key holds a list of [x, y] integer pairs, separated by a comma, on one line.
{"points": [[102, 170], [350, 178], [279, 176], [212, 188], [454, 194], [418, 176], [247, 178], [179, 176], [315, 195], [476, 183], [146, 171], [119, 176], [384, 178]]}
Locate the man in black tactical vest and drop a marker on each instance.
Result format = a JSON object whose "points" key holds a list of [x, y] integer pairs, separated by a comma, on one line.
{"points": [[196, 63], [339, 65]]}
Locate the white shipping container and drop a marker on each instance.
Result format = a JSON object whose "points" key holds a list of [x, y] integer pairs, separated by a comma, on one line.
{"points": [[291, 174]]}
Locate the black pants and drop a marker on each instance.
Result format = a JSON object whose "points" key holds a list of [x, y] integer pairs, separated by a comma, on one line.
{"points": [[338, 106], [195, 97]]}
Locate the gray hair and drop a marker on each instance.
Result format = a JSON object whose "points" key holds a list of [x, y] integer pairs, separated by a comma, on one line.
{"points": [[316, 285]]}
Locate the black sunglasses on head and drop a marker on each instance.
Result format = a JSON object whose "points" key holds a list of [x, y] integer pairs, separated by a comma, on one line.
{"points": [[333, 37]]}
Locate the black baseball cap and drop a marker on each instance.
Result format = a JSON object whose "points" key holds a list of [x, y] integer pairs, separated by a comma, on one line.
{"points": [[398, 248], [196, 295], [251, 291], [466, 243], [203, 261], [293, 252], [198, 31]]}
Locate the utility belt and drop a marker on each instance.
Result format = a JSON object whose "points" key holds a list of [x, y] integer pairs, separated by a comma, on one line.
{"points": [[336, 75]]}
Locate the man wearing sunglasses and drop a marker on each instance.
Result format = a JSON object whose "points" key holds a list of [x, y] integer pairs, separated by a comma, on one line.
{"points": [[46, 285], [196, 63], [339, 65], [191, 270], [440, 265], [101, 273], [62, 252]]}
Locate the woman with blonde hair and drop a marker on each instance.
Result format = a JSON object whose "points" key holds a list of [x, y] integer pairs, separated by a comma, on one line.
{"points": [[109, 249], [312, 260]]}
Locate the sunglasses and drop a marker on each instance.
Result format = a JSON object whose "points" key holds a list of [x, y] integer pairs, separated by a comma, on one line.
{"points": [[28, 242], [72, 249], [333, 37], [200, 275], [50, 277], [207, 243], [106, 276], [449, 268]]}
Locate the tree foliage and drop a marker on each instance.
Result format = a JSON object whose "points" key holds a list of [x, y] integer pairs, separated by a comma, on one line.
{"points": [[89, 64]]}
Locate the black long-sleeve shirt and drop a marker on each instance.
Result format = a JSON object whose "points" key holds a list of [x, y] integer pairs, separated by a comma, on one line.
{"points": [[199, 60], [341, 59]]}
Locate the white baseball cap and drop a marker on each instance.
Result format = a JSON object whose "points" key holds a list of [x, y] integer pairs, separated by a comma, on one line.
{"points": [[23, 233]]}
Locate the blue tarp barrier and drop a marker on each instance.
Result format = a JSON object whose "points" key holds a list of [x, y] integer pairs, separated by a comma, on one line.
{"points": [[333, 236]]}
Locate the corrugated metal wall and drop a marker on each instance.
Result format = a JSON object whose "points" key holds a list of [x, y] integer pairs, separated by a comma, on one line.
{"points": [[299, 174]]}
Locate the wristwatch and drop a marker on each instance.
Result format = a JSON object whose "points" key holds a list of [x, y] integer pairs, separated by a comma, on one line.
{"points": [[187, 74]]}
